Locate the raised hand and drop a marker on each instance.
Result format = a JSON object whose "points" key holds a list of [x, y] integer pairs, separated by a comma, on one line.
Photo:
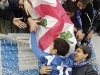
{"points": [[19, 23], [33, 24], [27, 7]]}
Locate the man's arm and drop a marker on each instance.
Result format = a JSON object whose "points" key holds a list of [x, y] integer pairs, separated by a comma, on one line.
{"points": [[87, 17]]}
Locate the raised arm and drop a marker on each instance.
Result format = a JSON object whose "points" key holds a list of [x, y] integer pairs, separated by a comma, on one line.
{"points": [[36, 50]]}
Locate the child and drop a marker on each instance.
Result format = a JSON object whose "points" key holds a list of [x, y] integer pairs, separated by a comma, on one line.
{"points": [[60, 64]]}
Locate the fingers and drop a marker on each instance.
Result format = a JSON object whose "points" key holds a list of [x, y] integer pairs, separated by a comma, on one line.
{"points": [[88, 37], [20, 18], [48, 69], [45, 70], [79, 37], [22, 26], [19, 26], [33, 28], [27, 7], [33, 24], [27, 12], [19, 23]]}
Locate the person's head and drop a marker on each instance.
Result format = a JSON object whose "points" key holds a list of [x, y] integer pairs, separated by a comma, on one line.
{"points": [[83, 52], [70, 7], [59, 47], [81, 4]]}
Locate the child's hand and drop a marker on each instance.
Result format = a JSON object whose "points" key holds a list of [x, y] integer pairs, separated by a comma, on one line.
{"points": [[33, 24]]}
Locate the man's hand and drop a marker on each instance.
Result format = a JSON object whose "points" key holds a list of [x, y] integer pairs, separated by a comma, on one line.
{"points": [[19, 23], [45, 70], [75, 30], [27, 7], [33, 24], [89, 36], [79, 35]]}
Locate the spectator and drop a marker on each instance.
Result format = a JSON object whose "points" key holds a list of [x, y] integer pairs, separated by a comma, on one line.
{"points": [[96, 22], [81, 65], [70, 8], [86, 15]]}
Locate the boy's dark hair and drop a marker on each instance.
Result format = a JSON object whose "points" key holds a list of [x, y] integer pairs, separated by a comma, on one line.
{"points": [[62, 46], [86, 50], [84, 2], [69, 6]]}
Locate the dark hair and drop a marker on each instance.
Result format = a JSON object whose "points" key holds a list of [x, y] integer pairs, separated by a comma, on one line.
{"points": [[62, 46], [86, 50], [84, 2], [69, 6], [96, 4]]}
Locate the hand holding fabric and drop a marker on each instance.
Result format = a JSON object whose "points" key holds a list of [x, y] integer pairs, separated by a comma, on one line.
{"points": [[79, 35]]}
